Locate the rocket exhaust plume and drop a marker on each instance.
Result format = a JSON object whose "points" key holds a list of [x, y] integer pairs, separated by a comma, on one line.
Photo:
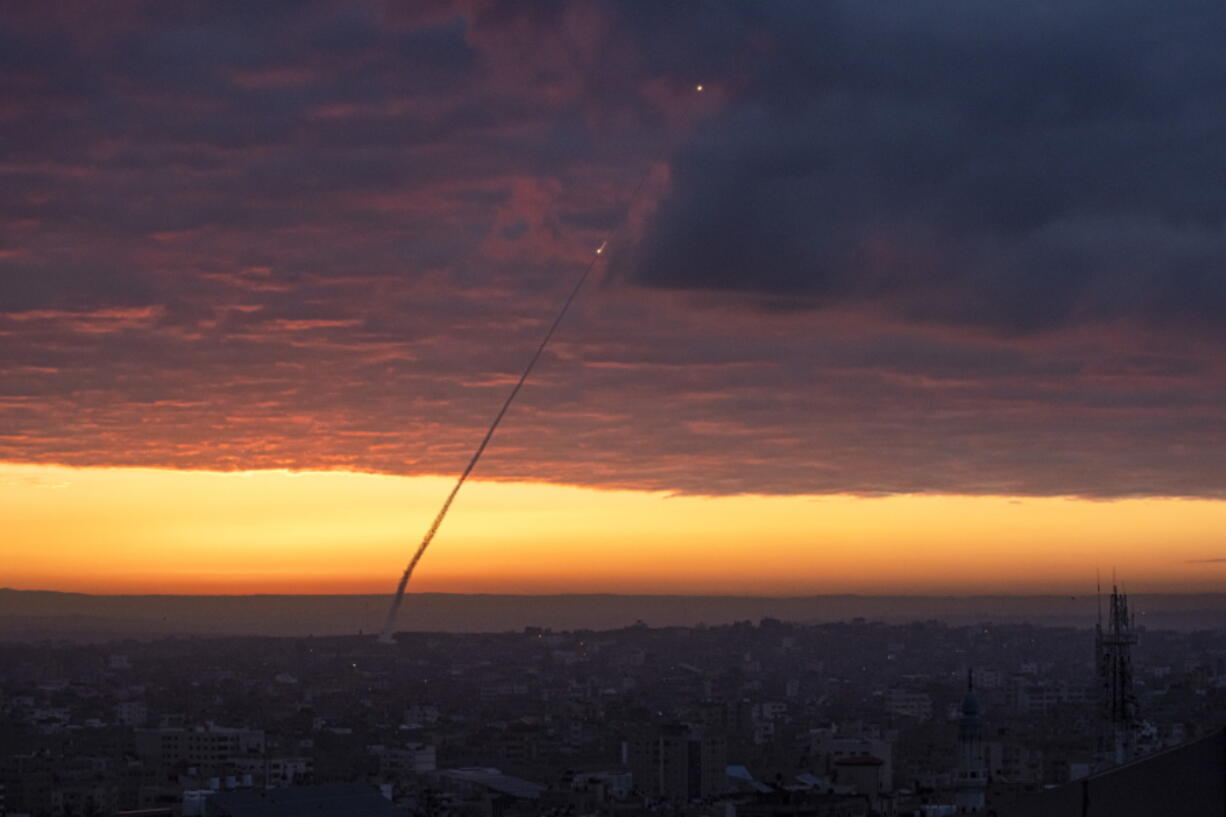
{"points": [[390, 624]]}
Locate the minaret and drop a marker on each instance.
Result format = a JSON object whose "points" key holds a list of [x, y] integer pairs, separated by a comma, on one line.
{"points": [[972, 782], [1113, 653]]}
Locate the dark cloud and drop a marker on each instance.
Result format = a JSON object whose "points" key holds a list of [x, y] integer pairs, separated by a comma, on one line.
{"points": [[1016, 167], [70, 284]]}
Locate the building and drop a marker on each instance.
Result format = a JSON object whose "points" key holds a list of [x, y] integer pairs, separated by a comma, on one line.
{"points": [[206, 746], [412, 758], [275, 771], [1189, 781], [40, 783], [863, 773], [909, 703], [489, 791], [131, 713], [615, 785], [333, 800], [1030, 698], [1013, 765], [679, 762], [827, 746], [971, 779]]}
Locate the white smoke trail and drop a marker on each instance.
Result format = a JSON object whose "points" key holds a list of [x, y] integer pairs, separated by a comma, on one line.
{"points": [[390, 623]]}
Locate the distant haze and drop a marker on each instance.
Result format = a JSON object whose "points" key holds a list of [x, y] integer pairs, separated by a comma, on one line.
{"points": [[29, 615]]}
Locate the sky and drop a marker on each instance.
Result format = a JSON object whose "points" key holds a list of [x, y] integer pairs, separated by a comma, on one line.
{"points": [[918, 297]]}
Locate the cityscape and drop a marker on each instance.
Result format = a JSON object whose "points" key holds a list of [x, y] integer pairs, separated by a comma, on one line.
{"points": [[612, 408], [752, 718]]}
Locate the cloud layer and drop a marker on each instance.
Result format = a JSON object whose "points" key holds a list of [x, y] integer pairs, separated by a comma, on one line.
{"points": [[931, 248], [1014, 167]]}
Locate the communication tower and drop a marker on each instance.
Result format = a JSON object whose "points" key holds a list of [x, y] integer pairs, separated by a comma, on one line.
{"points": [[1118, 699]]}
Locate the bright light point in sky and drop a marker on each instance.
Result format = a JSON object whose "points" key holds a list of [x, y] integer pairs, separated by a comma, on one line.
{"points": [[162, 531], [698, 88]]}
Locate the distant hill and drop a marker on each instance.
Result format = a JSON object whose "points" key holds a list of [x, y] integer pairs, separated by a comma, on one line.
{"points": [[37, 614]]}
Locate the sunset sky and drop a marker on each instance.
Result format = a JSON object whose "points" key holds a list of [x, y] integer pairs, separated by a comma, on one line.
{"points": [[915, 298]]}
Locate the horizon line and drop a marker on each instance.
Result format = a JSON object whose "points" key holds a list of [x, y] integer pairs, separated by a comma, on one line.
{"points": [[1065, 596]]}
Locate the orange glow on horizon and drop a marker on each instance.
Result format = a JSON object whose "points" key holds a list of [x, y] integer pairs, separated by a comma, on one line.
{"points": [[133, 530]]}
